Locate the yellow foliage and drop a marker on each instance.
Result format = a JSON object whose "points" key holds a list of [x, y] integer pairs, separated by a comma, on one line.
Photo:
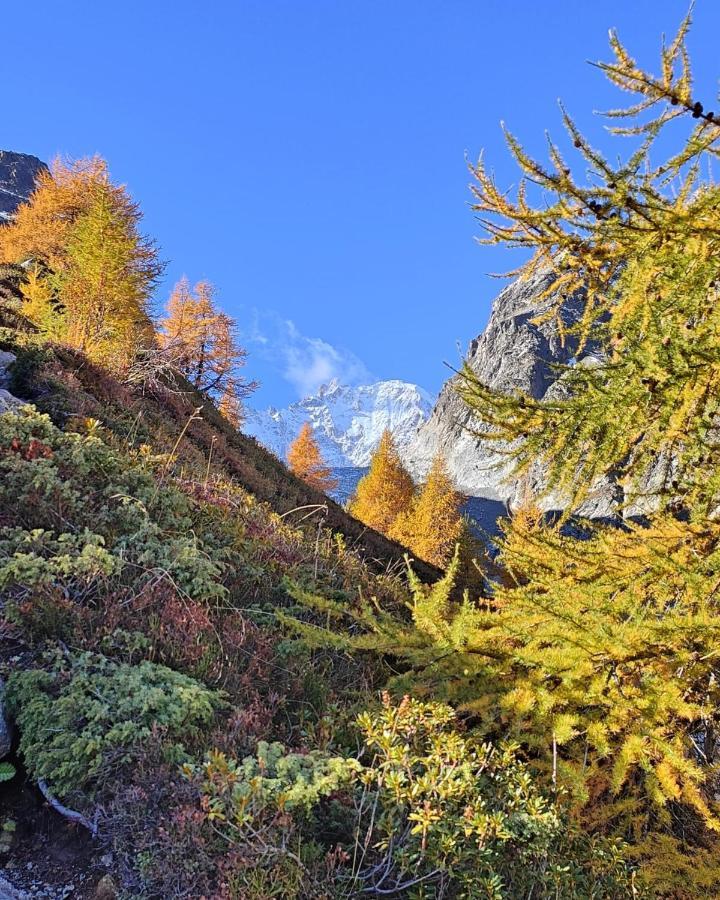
{"points": [[201, 341], [305, 461], [40, 305], [432, 524], [98, 271], [42, 226], [386, 491]]}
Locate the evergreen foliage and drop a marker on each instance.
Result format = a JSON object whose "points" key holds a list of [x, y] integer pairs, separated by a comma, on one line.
{"points": [[598, 647], [76, 513], [387, 489], [305, 461], [82, 717], [432, 525]]}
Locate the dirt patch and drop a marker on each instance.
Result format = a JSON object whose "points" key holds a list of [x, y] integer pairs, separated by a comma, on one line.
{"points": [[41, 853]]}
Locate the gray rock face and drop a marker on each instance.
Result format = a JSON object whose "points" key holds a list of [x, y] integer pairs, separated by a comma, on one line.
{"points": [[513, 353], [7, 401], [18, 172]]}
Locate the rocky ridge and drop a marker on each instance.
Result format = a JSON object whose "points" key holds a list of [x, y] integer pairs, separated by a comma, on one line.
{"points": [[518, 350], [347, 421], [18, 172]]}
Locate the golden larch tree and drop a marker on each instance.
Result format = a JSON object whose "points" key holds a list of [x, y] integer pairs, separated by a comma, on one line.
{"points": [[432, 524], [91, 265], [305, 460], [202, 343], [40, 303], [40, 229], [387, 489], [107, 282]]}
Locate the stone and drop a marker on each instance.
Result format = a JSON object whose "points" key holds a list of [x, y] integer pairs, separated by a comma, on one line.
{"points": [[6, 360], [18, 173], [106, 889], [8, 402]]}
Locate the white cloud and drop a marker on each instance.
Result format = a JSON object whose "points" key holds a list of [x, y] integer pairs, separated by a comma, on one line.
{"points": [[305, 362]]}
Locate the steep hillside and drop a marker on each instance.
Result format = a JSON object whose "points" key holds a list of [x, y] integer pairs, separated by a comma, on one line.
{"points": [[63, 383], [149, 551]]}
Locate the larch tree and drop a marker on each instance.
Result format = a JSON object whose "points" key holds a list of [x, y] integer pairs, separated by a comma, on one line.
{"points": [[386, 491], [432, 524], [305, 460], [41, 227], [202, 342], [41, 304], [107, 283], [91, 266], [598, 648]]}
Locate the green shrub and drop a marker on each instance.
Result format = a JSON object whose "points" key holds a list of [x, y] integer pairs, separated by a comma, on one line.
{"points": [[83, 717], [450, 815], [431, 813], [241, 794], [77, 511]]}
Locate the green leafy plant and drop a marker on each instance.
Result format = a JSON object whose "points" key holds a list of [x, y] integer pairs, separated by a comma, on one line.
{"points": [[241, 794], [452, 816], [84, 716]]}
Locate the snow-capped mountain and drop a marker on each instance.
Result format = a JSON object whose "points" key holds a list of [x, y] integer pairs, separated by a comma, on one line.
{"points": [[347, 421]]}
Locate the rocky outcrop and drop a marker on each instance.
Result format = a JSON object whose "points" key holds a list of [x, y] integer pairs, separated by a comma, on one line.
{"points": [[18, 172], [515, 352], [7, 400]]}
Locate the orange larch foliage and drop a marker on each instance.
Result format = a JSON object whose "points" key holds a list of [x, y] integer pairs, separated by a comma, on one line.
{"points": [[93, 272], [305, 460], [432, 524], [202, 343], [41, 226], [386, 491]]}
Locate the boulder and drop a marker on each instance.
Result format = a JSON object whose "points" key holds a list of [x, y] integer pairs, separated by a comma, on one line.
{"points": [[8, 402]]}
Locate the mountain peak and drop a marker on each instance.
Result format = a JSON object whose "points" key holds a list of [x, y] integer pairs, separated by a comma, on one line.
{"points": [[18, 172], [348, 421]]}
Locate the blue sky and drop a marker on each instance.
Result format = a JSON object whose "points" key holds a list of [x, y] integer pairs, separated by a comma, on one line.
{"points": [[308, 156]]}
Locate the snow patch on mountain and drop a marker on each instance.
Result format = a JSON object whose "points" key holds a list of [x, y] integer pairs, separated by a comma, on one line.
{"points": [[347, 421]]}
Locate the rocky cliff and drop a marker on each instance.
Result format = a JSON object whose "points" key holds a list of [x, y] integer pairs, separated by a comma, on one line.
{"points": [[514, 352], [18, 172]]}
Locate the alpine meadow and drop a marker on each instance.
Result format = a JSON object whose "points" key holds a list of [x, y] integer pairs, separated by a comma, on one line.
{"points": [[363, 646]]}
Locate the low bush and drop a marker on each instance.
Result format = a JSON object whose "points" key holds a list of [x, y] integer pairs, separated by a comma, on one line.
{"points": [[83, 717]]}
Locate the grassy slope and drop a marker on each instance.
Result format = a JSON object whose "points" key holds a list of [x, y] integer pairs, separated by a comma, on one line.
{"points": [[65, 384]]}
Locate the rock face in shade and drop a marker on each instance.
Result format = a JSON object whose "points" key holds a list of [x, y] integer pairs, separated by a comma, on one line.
{"points": [[18, 172], [513, 353]]}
